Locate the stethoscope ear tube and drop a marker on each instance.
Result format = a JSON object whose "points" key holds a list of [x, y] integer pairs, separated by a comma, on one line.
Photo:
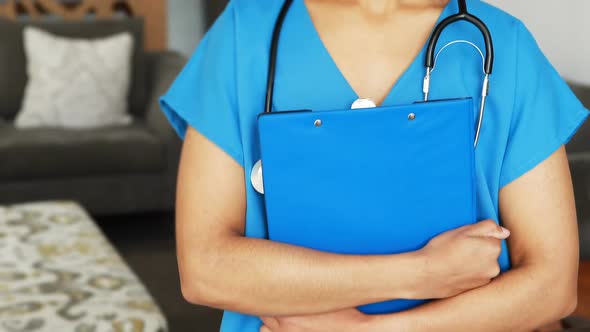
{"points": [[488, 66], [484, 89], [487, 36]]}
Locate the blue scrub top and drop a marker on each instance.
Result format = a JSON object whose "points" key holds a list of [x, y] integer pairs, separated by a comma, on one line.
{"points": [[530, 112]]}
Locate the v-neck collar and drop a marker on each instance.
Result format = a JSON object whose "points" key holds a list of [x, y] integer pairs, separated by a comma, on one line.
{"points": [[416, 64]]}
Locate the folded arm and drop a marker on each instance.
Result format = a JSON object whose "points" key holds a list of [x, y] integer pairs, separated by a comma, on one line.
{"points": [[539, 210]]}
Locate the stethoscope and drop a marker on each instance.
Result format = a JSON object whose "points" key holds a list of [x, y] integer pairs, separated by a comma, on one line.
{"points": [[256, 177]]}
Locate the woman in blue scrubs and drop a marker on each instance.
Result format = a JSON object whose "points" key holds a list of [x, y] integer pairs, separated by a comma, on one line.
{"points": [[331, 53]]}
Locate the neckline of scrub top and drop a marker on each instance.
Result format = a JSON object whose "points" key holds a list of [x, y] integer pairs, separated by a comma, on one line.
{"points": [[416, 63]]}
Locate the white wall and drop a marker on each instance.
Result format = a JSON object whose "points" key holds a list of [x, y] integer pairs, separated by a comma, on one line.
{"points": [[562, 28], [186, 24]]}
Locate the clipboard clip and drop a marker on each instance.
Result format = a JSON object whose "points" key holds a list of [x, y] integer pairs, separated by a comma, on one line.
{"points": [[256, 175]]}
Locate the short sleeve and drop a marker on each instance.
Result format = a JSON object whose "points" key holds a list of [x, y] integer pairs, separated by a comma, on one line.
{"points": [[203, 95], [546, 112]]}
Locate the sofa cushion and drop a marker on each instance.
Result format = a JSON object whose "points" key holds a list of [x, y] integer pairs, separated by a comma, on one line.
{"points": [[13, 75], [81, 84], [50, 152]]}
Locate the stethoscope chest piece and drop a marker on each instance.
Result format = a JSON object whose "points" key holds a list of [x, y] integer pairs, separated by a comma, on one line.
{"points": [[256, 177], [363, 103]]}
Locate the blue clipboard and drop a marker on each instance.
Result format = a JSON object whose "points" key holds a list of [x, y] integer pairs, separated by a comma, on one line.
{"points": [[370, 181]]}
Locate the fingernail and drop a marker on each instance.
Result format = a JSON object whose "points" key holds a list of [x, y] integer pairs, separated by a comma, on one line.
{"points": [[505, 231]]}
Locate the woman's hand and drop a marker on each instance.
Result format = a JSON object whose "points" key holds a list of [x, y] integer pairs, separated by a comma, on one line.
{"points": [[350, 320], [460, 260]]}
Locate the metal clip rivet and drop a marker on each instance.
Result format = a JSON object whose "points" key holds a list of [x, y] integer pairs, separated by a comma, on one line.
{"points": [[317, 123], [411, 116]]}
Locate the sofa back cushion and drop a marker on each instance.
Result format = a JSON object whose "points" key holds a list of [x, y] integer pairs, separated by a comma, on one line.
{"points": [[13, 63]]}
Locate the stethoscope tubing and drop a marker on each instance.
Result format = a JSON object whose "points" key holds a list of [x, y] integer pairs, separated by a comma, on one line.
{"points": [[274, 49], [430, 59]]}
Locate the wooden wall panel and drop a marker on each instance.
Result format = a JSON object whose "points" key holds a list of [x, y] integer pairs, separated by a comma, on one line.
{"points": [[154, 13], [156, 24]]}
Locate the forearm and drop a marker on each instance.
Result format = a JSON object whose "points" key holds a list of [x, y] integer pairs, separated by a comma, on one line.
{"points": [[265, 278], [522, 299]]}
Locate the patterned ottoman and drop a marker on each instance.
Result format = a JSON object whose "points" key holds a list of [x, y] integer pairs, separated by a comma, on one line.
{"points": [[58, 273]]}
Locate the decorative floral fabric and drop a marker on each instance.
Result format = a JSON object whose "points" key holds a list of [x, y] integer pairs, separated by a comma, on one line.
{"points": [[59, 273]]}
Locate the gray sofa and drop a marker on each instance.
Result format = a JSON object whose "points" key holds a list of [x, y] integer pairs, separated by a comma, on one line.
{"points": [[579, 157], [109, 170]]}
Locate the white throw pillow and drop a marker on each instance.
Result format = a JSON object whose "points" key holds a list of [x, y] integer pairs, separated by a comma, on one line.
{"points": [[75, 83]]}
